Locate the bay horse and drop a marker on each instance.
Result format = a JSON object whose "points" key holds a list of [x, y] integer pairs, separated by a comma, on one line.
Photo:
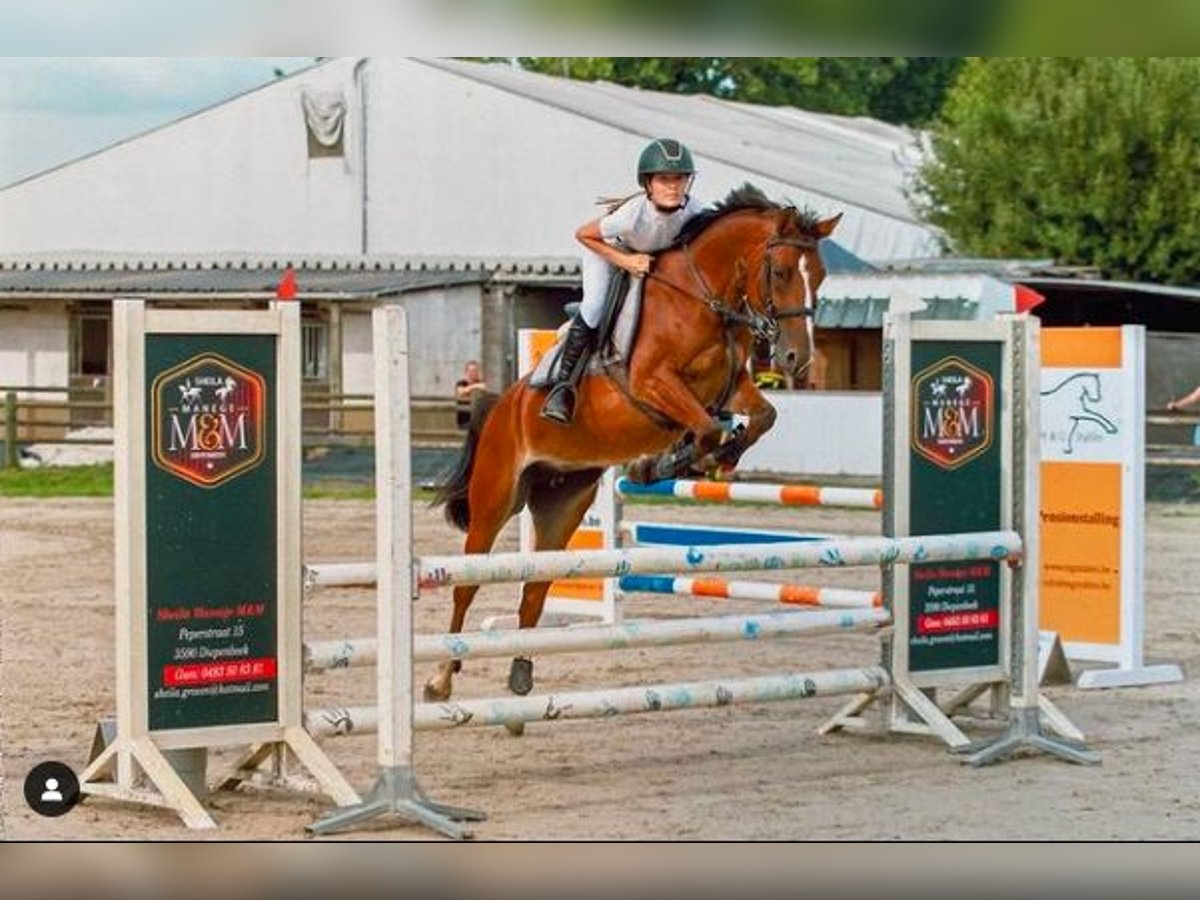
{"points": [[744, 269]]}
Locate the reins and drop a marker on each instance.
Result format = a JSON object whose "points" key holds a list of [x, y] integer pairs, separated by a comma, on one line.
{"points": [[763, 325]]}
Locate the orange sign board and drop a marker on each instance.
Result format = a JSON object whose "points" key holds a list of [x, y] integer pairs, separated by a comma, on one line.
{"points": [[1091, 424], [1081, 551]]}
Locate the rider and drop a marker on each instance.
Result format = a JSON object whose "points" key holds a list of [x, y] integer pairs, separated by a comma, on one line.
{"points": [[641, 225]]}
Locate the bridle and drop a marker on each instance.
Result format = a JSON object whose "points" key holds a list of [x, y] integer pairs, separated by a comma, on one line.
{"points": [[763, 325]]}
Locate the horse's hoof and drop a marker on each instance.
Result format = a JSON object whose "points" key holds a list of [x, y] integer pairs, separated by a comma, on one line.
{"points": [[639, 471], [516, 729], [520, 676]]}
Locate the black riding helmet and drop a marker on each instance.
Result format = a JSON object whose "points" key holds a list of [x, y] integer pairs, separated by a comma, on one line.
{"points": [[664, 155]]}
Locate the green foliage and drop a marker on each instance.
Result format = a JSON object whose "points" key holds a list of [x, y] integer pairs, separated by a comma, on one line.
{"points": [[1091, 161], [901, 89], [55, 481], [97, 481]]}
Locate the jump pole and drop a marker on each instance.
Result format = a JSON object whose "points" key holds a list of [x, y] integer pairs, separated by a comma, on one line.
{"points": [[604, 704], [630, 634]]}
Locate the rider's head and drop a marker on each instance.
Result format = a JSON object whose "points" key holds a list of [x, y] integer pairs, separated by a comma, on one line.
{"points": [[665, 172]]}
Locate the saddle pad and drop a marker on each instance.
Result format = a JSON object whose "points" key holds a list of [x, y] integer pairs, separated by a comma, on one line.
{"points": [[616, 349]]}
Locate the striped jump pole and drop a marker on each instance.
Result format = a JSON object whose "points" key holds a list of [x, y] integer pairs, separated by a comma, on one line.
{"points": [[723, 589], [747, 492], [499, 568], [604, 704], [351, 653]]}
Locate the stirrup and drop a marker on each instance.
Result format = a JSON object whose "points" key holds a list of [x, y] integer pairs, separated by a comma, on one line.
{"points": [[559, 405]]}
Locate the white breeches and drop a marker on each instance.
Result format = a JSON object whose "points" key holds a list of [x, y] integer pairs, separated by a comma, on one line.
{"points": [[597, 275]]}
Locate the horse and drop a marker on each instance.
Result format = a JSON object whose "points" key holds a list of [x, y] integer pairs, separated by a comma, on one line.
{"points": [[744, 269]]}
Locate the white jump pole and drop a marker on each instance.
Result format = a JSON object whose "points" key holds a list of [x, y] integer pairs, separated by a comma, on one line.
{"points": [[603, 704], [396, 790], [324, 655], [497, 568], [493, 568], [351, 574]]}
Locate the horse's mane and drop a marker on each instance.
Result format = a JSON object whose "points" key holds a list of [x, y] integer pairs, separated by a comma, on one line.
{"points": [[742, 198]]}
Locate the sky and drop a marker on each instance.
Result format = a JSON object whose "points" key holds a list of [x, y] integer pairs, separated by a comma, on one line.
{"points": [[56, 109]]}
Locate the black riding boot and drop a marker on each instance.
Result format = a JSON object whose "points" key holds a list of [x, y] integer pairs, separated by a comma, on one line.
{"points": [[560, 405]]}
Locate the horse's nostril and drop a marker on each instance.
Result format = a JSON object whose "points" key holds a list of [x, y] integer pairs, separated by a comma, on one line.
{"points": [[791, 357]]}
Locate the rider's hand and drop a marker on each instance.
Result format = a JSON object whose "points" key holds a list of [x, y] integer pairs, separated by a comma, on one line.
{"points": [[638, 264]]}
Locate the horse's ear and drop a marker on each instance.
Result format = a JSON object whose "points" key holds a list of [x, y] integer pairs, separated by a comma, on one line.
{"points": [[825, 227]]}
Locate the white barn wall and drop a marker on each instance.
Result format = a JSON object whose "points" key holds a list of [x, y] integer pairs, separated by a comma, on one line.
{"points": [[34, 347], [357, 372], [444, 328], [235, 178], [821, 433], [454, 166], [487, 172]]}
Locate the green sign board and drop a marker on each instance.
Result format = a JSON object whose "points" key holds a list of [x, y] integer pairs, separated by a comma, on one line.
{"points": [[955, 470], [211, 530]]}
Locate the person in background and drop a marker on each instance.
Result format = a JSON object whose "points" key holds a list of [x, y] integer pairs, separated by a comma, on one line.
{"points": [[1185, 401], [466, 389]]}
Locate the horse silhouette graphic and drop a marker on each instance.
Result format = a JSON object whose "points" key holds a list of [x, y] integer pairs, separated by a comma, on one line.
{"points": [[1079, 392], [190, 393], [226, 389]]}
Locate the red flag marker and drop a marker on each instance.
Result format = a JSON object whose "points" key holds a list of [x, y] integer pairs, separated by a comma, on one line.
{"points": [[1026, 298], [286, 289]]}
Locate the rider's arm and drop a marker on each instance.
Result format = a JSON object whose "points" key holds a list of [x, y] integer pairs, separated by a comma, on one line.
{"points": [[590, 236], [1188, 400]]}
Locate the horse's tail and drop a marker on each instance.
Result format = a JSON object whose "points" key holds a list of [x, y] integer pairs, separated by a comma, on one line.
{"points": [[454, 491]]}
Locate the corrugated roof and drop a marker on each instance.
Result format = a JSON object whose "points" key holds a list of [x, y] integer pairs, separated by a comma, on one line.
{"points": [[840, 260], [868, 312], [165, 277], [317, 276]]}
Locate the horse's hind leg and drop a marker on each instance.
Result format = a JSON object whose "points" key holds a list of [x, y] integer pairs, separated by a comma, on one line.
{"points": [[557, 503], [493, 501]]}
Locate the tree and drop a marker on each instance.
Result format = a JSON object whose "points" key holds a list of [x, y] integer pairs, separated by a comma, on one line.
{"points": [[1090, 161], [901, 89]]}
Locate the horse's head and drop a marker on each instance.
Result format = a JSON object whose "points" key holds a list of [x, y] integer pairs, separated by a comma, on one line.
{"points": [[764, 261], [786, 293]]}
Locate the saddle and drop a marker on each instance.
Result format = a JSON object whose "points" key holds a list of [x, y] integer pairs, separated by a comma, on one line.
{"points": [[615, 335]]}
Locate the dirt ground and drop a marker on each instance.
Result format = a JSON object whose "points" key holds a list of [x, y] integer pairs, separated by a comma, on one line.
{"points": [[743, 772]]}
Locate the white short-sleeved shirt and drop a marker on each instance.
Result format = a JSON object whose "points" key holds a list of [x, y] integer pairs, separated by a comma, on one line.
{"points": [[638, 225]]}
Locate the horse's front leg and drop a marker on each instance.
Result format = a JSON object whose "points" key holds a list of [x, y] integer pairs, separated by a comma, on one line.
{"points": [[747, 400], [667, 392]]}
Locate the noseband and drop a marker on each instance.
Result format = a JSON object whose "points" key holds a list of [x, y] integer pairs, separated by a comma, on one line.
{"points": [[768, 327]]}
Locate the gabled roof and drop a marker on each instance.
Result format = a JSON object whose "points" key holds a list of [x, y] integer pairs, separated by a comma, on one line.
{"points": [[161, 277], [850, 159]]}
